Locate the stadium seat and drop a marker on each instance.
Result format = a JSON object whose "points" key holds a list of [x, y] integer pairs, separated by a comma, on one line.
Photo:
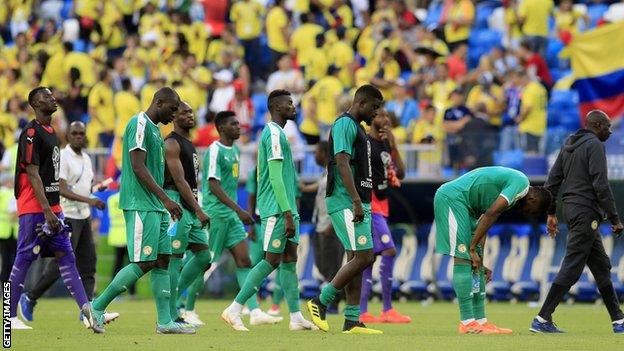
{"points": [[554, 139], [536, 271], [512, 159], [67, 9], [415, 255], [498, 288], [595, 11], [483, 11], [534, 165], [481, 42], [308, 285], [433, 13]]}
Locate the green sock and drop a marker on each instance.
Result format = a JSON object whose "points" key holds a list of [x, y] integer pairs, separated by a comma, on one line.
{"points": [[328, 294], [478, 300], [123, 279], [161, 289], [462, 283], [193, 268], [278, 292], [352, 312], [195, 289], [290, 285], [175, 263], [253, 281], [241, 276]]}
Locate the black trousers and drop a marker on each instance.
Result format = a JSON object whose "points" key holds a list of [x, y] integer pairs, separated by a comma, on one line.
{"points": [[8, 248], [84, 249], [584, 247]]}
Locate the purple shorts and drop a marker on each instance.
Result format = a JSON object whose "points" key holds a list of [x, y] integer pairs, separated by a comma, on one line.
{"points": [[30, 244], [382, 238]]}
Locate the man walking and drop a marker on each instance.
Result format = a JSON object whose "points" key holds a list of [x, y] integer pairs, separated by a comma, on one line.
{"points": [[581, 168]]}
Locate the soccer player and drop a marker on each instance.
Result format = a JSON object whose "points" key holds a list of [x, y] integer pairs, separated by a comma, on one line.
{"points": [[256, 244], [181, 171], [349, 187], [41, 228], [471, 204], [278, 212], [581, 168], [220, 184], [388, 170], [145, 205]]}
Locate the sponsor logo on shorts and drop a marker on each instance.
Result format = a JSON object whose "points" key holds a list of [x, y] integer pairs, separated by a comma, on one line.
{"points": [[362, 240], [461, 248], [276, 243], [36, 249], [385, 238], [147, 250], [176, 244], [594, 225]]}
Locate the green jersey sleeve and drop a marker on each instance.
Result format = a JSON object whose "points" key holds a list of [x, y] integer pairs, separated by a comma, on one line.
{"points": [[516, 187], [344, 132], [272, 143], [213, 168], [135, 134]]}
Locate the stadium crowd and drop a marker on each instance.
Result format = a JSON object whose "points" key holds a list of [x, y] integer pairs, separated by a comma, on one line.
{"points": [[467, 76]]}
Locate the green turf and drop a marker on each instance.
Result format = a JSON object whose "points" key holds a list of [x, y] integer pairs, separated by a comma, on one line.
{"points": [[433, 328]]}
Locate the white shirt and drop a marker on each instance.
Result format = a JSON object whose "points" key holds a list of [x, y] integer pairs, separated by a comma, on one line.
{"points": [[77, 171]]}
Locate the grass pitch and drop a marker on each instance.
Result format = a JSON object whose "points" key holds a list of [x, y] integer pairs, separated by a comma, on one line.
{"points": [[434, 327]]}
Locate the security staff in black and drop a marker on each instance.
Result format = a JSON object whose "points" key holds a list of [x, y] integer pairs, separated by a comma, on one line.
{"points": [[349, 189], [580, 171], [181, 172]]}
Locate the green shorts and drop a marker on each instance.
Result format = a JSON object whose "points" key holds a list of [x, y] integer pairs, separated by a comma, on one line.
{"points": [[188, 230], [256, 247], [274, 233], [146, 232], [454, 225], [224, 232], [353, 236]]}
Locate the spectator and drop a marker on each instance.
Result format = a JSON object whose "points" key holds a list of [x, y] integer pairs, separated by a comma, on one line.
{"points": [[489, 94], [428, 132], [499, 62], [513, 33], [533, 16], [399, 131], [342, 56], [513, 92], [439, 88], [243, 107], [535, 65], [316, 61], [457, 21], [479, 139], [74, 102], [387, 74], [246, 15], [286, 77], [405, 17], [455, 118], [324, 96], [208, 133], [126, 105], [196, 80], [223, 93], [456, 63], [303, 38], [277, 32], [532, 118], [149, 89], [404, 106], [568, 20], [101, 112]]}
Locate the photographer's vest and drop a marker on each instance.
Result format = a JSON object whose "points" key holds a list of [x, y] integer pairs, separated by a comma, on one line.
{"points": [[8, 225], [360, 163]]}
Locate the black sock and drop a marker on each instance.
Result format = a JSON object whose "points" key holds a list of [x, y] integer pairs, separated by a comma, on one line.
{"points": [[349, 324], [611, 302], [555, 295]]}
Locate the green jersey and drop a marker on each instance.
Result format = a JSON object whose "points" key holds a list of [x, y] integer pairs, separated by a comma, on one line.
{"points": [[220, 163], [479, 188], [274, 146], [141, 134], [344, 133]]}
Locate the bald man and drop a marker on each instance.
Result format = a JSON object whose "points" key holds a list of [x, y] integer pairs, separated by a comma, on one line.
{"points": [[581, 169], [75, 181]]}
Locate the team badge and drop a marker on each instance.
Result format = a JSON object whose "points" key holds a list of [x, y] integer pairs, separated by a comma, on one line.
{"points": [[461, 248], [36, 249], [385, 238], [362, 240], [594, 225], [276, 243], [147, 250], [176, 244]]}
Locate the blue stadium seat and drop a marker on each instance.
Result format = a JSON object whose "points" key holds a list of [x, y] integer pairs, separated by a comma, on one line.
{"points": [[595, 12], [512, 159], [260, 109], [570, 119], [552, 52], [433, 13], [308, 285], [534, 165], [483, 12], [498, 287], [481, 42], [555, 138], [444, 279], [416, 285], [66, 10]]}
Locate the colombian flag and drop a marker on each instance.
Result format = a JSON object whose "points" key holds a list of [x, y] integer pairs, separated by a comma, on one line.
{"points": [[598, 67]]}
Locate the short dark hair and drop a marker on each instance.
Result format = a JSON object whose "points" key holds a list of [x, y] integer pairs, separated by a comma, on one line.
{"points": [[222, 116], [275, 94], [33, 95], [126, 83], [68, 46], [544, 199], [366, 92]]}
